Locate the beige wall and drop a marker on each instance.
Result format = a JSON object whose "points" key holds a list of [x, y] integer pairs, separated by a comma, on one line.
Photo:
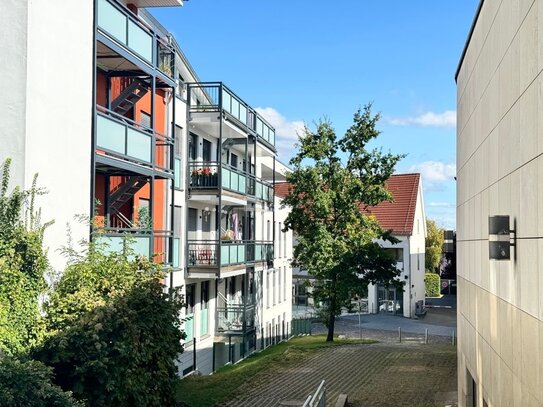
{"points": [[499, 169]]}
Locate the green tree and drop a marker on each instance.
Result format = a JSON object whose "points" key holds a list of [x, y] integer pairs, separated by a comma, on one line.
{"points": [[122, 353], [28, 384], [23, 262], [336, 239], [434, 246]]}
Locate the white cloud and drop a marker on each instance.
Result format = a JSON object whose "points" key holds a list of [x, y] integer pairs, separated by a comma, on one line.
{"points": [[435, 174], [429, 119], [286, 131], [440, 204]]}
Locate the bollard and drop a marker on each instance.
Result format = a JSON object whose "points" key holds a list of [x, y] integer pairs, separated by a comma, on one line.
{"points": [[426, 336], [400, 333], [453, 337]]}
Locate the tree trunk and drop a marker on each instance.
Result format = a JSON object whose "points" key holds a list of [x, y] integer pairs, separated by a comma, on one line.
{"points": [[331, 322]]}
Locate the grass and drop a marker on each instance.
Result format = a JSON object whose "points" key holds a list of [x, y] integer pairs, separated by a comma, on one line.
{"points": [[206, 391]]}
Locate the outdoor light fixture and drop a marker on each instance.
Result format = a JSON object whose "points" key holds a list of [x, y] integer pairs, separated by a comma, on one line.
{"points": [[500, 247]]}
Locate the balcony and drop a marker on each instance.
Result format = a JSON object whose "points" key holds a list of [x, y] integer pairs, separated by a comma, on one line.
{"points": [[205, 98], [224, 255], [235, 319], [204, 176], [127, 141], [128, 32], [153, 244]]}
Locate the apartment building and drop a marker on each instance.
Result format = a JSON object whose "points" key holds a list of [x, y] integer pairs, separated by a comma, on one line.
{"points": [[500, 207], [185, 168]]}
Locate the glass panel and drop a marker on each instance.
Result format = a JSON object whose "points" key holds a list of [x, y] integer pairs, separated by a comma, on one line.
{"points": [[225, 178], [112, 244], [110, 134], [272, 137], [258, 252], [203, 321], [233, 253], [140, 246], [189, 327], [234, 180], [112, 20], [242, 181], [243, 114], [176, 257], [235, 108], [265, 191], [139, 145], [226, 101], [258, 193], [225, 251], [259, 125], [241, 253], [177, 173], [140, 41]]}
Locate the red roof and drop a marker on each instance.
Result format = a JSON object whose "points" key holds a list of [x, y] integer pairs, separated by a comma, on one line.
{"points": [[281, 189], [398, 215]]}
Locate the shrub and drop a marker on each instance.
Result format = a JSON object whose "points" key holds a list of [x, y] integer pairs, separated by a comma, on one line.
{"points": [[433, 285], [23, 263], [122, 353], [28, 384]]}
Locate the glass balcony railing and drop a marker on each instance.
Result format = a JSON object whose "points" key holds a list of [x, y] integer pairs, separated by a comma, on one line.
{"points": [[235, 319], [205, 175], [258, 251], [136, 242], [215, 97], [135, 35], [215, 253], [124, 138]]}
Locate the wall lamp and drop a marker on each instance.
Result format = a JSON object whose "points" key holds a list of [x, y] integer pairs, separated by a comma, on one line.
{"points": [[500, 239]]}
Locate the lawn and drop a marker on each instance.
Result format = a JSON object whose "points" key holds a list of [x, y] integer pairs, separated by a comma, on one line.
{"points": [[207, 391]]}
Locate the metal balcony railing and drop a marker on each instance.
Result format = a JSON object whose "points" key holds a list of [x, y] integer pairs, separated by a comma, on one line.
{"points": [[135, 35], [235, 319], [217, 97], [123, 138]]}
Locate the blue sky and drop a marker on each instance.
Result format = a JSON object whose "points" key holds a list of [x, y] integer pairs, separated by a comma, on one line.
{"points": [[300, 60]]}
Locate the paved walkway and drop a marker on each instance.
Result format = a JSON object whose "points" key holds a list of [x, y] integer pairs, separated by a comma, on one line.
{"points": [[377, 375]]}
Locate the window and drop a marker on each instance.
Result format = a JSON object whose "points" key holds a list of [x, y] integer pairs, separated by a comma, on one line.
{"points": [[193, 146], [193, 218], [234, 160], [279, 240], [189, 319], [284, 284], [268, 231], [145, 120], [284, 244], [279, 286], [178, 135], [418, 259], [395, 252], [206, 150], [268, 289], [273, 286], [204, 306], [177, 173]]}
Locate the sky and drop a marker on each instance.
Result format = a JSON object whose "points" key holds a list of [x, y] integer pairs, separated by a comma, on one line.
{"points": [[299, 61]]}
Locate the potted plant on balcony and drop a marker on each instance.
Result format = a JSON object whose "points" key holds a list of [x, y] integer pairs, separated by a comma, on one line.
{"points": [[228, 235]]}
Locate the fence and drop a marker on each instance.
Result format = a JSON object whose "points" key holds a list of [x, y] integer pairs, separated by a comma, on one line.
{"points": [[301, 326], [318, 399]]}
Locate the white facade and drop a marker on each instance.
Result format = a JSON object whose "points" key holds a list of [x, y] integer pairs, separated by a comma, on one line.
{"points": [[499, 169], [46, 109]]}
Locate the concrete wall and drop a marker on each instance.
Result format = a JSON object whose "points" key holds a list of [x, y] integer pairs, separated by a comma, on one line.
{"points": [[499, 169], [47, 68]]}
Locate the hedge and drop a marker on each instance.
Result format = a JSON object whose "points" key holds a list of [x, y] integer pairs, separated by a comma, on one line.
{"points": [[433, 285]]}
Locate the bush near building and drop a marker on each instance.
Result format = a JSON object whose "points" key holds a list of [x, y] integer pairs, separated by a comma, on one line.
{"points": [[433, 285]]}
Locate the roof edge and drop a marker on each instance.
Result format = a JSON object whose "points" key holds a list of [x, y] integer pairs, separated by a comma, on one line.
{"points": [[476, 18]]}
